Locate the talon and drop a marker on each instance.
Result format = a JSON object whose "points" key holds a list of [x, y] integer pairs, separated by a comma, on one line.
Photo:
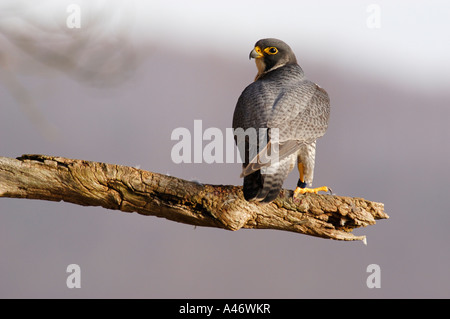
{"points": [[296, 196], [300, 191]]}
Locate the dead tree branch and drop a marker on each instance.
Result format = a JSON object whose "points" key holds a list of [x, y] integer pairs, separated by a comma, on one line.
{"points": [[133, 190]]}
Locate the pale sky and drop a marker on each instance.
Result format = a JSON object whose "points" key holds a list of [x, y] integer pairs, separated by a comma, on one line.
{"points": [[410, 47], [188, 60], [412, 37]]}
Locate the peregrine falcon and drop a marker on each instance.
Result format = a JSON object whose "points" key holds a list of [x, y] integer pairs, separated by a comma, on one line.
{"points": [[287, 113]]}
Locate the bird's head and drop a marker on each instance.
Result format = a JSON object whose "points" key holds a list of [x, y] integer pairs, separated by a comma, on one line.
{"points": [[270, 54]]}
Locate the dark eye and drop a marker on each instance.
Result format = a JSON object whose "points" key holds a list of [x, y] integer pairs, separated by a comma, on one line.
{"points": [[271, 50]]}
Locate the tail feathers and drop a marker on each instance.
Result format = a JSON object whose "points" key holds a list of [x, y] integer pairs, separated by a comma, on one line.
{"points": [[272, 192], [253, 183], [278, 151], [266, 187]]}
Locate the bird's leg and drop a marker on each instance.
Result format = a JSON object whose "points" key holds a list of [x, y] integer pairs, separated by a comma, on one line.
{"points": [[301, 185]]}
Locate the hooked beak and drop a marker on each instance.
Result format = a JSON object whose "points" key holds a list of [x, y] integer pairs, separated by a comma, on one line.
{"points": [[256, 53]]}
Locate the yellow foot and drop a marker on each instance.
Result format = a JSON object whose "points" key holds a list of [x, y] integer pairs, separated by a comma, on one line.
{"points": [[300, 191]]}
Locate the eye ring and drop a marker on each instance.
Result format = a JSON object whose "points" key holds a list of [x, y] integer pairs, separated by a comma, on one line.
{"points": [[271, 50]]}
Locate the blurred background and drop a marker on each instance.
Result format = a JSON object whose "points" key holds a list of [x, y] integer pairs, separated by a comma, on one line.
{"points": [[109, 81]]}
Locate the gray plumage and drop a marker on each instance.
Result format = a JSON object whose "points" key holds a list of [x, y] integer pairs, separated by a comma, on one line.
{"points": [[280, 97]]}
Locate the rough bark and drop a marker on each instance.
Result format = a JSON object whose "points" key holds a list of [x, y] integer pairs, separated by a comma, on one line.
{"points": [[133, 190]]}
